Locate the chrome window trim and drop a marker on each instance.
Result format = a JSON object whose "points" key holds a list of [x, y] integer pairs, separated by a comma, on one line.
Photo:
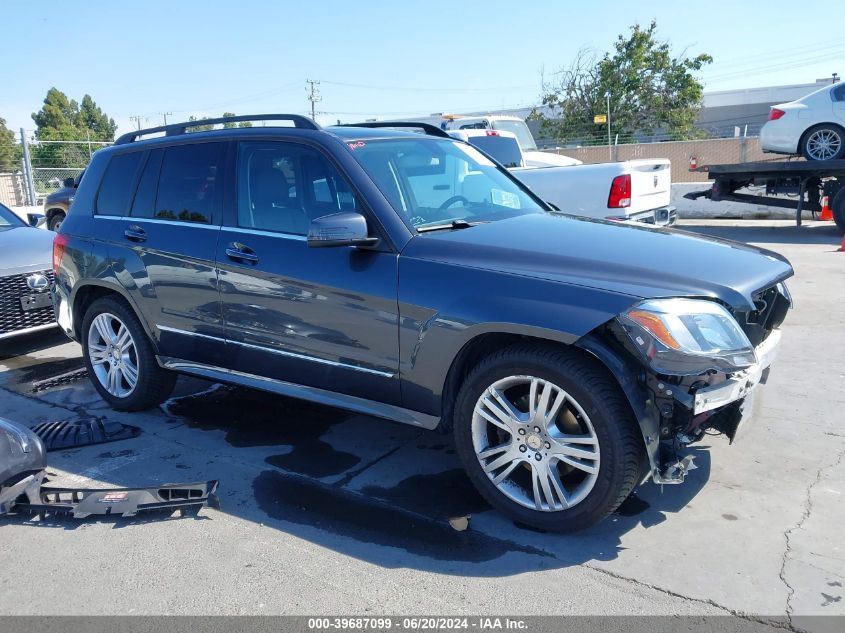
{"points": [[287, 236], [280, 352], [129, 218]]}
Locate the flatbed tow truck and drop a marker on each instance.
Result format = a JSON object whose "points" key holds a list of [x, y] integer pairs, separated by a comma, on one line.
{"points": [[800, 184]]}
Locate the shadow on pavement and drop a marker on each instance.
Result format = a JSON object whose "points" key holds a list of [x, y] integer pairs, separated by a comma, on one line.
{"points": [[380, 492], [28, 343], [815, 233]]}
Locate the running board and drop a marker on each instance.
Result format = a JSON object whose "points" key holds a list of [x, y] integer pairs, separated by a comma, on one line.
{"points": [[303, 392]]}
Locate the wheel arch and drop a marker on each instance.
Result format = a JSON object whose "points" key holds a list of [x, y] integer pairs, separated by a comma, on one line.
{"points": [[594, 345], [805, 133], [87, 293]]}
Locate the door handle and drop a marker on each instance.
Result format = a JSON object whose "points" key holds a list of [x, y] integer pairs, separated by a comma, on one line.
{"points": [[135, 233], [240, 253]]}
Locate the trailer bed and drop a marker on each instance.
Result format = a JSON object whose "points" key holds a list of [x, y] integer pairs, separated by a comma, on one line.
{"points": [[808, 182]]}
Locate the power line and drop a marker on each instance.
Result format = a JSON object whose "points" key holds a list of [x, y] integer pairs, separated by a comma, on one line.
{"points": [[423, 89], [748, 60], [137, 118]]}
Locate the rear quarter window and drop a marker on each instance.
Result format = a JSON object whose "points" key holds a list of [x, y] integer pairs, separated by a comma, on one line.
{"points": [[118, 184], [839, 93]]}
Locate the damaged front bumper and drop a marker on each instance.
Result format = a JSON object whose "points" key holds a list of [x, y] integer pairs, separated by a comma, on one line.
{"points": [[725, 405], [675, 412]]}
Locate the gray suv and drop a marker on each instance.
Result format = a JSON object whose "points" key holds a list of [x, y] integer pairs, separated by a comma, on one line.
{"points": [[393, 271]]}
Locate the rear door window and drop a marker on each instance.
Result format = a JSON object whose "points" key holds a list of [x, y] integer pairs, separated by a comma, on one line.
{"points": [[188, 184], [118, 184]]}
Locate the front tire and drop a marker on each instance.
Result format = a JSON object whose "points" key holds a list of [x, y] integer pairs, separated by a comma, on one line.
{"points": [[547, 437], [120, 359], [823, 142]]}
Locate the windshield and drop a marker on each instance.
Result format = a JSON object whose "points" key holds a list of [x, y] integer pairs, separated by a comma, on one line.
{"points": [[523, 134], [433, 181], [8, 218]]}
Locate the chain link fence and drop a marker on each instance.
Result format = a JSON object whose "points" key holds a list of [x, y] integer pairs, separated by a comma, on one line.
{"points": [[51, 162], [32, 169]]}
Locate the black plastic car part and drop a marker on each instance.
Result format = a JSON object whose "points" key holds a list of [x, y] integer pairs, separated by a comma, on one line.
{"points": [[73, 433], [22, 463], [127, 502]]}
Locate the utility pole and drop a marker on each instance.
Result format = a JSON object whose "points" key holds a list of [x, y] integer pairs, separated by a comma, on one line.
{"points": [[835, 78], [29, 178], [609, 148], [137, 119], [165, 115], [313, 95]]}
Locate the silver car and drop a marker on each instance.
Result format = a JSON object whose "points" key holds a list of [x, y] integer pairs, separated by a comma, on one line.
{"points": [[26, 276]]}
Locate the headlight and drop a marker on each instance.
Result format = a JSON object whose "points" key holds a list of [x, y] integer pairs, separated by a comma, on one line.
{"points": [[685, 337]]}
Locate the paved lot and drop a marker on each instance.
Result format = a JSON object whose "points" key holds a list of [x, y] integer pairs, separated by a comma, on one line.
{"points": [[327, 512]]}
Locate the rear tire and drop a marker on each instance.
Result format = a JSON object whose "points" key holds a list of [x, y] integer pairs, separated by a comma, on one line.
{"points": [[838, 209], [55, 221], [823, 142], [561, 464], [120, 358]]}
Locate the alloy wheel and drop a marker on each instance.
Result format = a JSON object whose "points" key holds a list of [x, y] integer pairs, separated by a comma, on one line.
{"points": [[113, 356], [535, 443], [823, 144]]}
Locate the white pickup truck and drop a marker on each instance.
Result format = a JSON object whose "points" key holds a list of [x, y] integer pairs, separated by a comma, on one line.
{"points": [[628, 190]]}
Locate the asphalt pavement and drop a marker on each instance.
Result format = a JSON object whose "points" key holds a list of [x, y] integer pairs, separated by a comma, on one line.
{"points": [[328, 512]]}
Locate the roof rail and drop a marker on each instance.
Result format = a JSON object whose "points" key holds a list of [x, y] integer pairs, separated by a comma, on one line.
{"points": [[174, 129], [430, 130]]}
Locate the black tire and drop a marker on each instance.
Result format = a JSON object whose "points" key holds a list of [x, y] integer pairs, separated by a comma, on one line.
{"points": [[619, 438], [831, 128], [154, 384], [838, 209], [55, 221]]}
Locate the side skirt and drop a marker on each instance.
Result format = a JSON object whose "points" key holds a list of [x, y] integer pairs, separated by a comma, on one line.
{"points": [[302, 392]]}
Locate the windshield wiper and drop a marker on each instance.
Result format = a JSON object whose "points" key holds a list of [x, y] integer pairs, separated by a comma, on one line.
{"points": [[454, 224]]}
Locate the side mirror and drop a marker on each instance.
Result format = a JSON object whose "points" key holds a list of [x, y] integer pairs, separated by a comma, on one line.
{"points": [[69, 182], [36, 219], [340, 229]]}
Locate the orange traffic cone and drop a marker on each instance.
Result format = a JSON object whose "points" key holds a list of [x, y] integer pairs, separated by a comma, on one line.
{"points": [[826, 213]]}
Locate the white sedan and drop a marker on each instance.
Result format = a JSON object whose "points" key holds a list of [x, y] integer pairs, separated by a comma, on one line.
{"points": [[813, 126]]}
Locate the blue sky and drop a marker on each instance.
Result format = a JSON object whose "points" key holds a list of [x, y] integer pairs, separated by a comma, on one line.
{"points": [[375, 58]]}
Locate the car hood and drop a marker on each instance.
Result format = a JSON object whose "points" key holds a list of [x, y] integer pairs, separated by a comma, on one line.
{"points": [[631, 259], [23, 248]]}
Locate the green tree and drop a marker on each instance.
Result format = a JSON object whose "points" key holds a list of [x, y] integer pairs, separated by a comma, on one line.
{"points": [[10, 151], [92, 118], [63, 119], [650, 89], [231, 125], [199, 128]]}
